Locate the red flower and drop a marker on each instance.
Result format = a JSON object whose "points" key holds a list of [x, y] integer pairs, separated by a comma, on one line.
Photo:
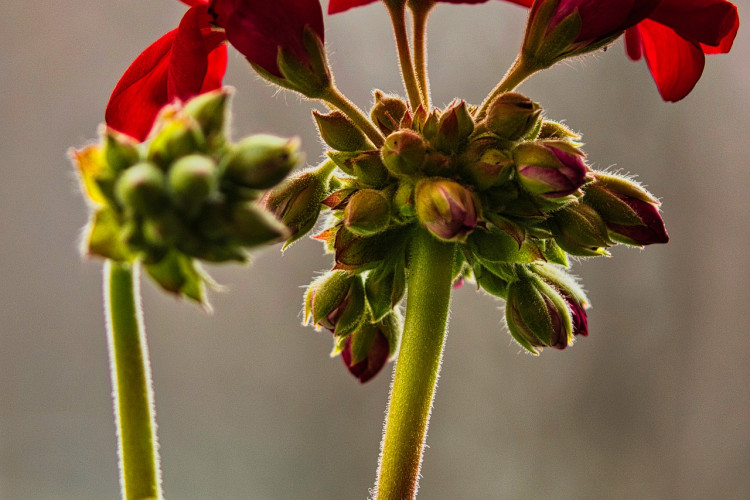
{"points": [[336, 6], [183, 63], [259, 28], [676, 37]]}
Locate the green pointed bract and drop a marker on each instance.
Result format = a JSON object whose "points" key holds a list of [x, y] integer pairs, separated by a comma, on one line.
{"points": [[120, 151], [180, 275], [103, 236], [211, 112], [491, 282], [249, 226], [385, 285]]}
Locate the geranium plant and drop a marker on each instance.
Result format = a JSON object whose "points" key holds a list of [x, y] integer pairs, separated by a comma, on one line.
{"points": [[412, 200]]}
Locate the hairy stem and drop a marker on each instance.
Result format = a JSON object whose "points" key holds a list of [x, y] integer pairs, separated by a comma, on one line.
{"points": [[414, 382], [517, 73], [397, 12], [335, 99], [420, 13], [140, 476]]}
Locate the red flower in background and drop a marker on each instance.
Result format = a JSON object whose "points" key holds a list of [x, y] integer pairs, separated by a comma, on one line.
{"points": [[336, 6], [676, 37], [185, 62], [258, 28]]}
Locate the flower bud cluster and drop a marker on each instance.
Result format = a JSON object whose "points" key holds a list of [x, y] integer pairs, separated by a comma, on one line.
{"points": [[187, 193], [338, 302], [511, 189]]}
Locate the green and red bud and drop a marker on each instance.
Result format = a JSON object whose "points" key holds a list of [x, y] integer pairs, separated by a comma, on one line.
{"points": [[554, 170], [340, 133], [571, 291], [404, 153], [446, 208], [336, 301], [484, 165], [512, 116], [537, 315], [297, 202], [630, 213], [368, 211], [387, 112], [261, 161], [366, 351], [454, 127]]}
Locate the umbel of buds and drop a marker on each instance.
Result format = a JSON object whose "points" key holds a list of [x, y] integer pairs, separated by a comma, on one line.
{"points": [[186, 194], [509, 188]]}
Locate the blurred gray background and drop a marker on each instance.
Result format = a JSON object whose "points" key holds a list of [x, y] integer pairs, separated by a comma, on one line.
{"points": [[653, 405]]}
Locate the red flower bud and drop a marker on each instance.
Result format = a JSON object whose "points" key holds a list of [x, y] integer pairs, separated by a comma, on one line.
{"points": [[375, 359], [446, 208], [551, 169]]}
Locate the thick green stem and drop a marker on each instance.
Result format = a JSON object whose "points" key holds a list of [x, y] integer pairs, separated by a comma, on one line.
{"points": [[334, 98], [397, 12], [420, 12], [517, 73], [140, 476], [413, 389]]}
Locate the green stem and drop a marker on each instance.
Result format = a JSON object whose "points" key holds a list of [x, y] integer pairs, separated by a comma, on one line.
{"points": [[397, 12], [517, 73], [140, 476], [420, 12], [413, 389], [334, 98]]}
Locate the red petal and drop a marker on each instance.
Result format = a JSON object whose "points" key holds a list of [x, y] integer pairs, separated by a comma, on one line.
{"points": [[195, 3], [336, 6], [181, 64], [711, 22], [675, 63], [633, 43]]}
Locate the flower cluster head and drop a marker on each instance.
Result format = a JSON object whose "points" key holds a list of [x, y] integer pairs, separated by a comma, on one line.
{"points": [[184, 195]]}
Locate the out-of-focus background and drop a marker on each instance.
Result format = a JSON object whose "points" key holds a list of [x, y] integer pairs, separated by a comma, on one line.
{"points": [[655, 404]]}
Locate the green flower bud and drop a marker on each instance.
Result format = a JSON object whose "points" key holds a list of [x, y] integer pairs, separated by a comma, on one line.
{"points": [[297, 202], [120, 150], [579, 230], [404, 152], [446, 208], [340, 133], [387, 112], [142, 189], [210, 111], [512, 116], [403, 202], [336, 301], [537, 315], [261, 161], [491, 282], [367, 212], [250, 226], [366, 166], [178, 137], [192, 179]]}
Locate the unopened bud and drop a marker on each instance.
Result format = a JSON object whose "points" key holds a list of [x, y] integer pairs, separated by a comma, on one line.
{"points": [[454, 127], [387, 112], [365, 352], [261, 161], [340, 133], [249, 226], [446, 208], [403, 201], [556, 130], [178, 137], [404, 152], [537, 315], [484, 166], [579, 230], [142, 189], [210, 111], [629, 211], [120, 150], [553, 170], [512, 116], [366, 166], [336, 301], [191, 180], [367, 212]]}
